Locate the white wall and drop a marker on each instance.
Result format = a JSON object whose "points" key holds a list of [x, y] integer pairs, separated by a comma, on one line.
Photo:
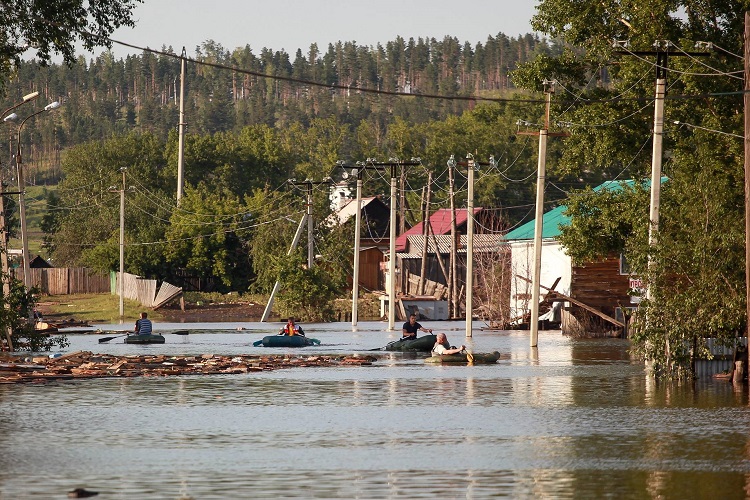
{"points": [[555, 264]]}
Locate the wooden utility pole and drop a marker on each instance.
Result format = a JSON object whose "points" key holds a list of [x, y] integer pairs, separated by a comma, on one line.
{"points": [[747, 173], [295, 241], [426, 233], [309, 183]]}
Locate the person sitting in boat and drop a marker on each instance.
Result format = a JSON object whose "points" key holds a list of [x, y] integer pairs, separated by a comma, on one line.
{"points": [[143, 325], [411, 327], [291, 329], [442, 346]]}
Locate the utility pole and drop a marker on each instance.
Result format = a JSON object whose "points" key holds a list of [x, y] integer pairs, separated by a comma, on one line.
{"points": [[357, 238], [181, 130], [471, 164], [426, 233], [662, 59], [309, 183], [121, 281], [539, 216], [452, 278], [21, 201], [392, 164]]}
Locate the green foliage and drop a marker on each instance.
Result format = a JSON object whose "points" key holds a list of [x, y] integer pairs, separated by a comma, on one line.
{"points": [[305, 293], [208, 236], [15, 310], [603, 222], [695, 268], [54, 26]]}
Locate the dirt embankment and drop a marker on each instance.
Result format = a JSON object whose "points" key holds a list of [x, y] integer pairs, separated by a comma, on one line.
{"points": [[212, 313]]}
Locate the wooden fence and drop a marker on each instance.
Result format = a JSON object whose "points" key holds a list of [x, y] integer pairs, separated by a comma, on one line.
{"points": [[67, 280]]}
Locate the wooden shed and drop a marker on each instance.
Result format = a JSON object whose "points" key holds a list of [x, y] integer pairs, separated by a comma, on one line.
{"points": [[595, 295]]}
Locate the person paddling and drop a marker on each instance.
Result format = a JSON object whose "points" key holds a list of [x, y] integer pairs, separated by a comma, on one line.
{"points": [[442, 346], [411, 327], [291, 329], [143, 325]]}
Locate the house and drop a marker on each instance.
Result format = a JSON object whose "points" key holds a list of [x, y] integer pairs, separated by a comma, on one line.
{"points": [[489, 250], [595, 291], [374, 238], [440, 224], [374, 223]]}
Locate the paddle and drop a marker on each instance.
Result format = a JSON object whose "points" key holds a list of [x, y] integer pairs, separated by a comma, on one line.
{"points": [[386, 346], [107, 339], [181, 332], [469, 355]]}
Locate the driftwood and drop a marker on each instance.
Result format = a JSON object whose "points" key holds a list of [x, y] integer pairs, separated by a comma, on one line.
{"points": [[85, 364]]}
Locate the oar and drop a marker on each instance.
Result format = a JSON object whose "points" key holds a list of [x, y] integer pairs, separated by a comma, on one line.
{"points": [[469, 355], [386, 346], [182, 332], [107, 339]]}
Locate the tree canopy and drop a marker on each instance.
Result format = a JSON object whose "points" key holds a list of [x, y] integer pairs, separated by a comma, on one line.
{"points": [[54, 26], [695, 271]]}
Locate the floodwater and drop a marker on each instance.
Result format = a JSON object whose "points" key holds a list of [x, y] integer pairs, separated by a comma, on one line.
{"points": [[570, 419]]}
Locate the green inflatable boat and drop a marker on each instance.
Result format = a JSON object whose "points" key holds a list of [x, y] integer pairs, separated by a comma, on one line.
{"points": [[286, 341], [147, 338], [421, 344], [461, 357]]}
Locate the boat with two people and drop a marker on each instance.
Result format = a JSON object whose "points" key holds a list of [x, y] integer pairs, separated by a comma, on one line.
{"points": [[420, 344]]}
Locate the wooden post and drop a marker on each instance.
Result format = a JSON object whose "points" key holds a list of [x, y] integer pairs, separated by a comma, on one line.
{"points": [[747, 174], [426, 233], [5, 268]]}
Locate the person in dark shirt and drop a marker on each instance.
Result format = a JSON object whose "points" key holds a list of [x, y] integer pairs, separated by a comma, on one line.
{"points": [[411, 327], [143, 325]]}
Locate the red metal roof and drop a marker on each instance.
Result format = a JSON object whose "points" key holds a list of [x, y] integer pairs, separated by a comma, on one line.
{"points": [[440, 222]]}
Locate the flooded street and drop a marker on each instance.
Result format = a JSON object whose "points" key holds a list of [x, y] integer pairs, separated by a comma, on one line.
{"points": [[571, 419]]}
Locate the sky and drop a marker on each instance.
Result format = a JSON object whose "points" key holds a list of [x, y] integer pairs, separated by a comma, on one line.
{"points": [[293, 24]]}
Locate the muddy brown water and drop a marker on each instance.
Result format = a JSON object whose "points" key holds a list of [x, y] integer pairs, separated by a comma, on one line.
{"points": [[570, 419]]}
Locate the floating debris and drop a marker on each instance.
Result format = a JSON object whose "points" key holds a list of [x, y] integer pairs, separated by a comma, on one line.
{"points": [[86, 364]]}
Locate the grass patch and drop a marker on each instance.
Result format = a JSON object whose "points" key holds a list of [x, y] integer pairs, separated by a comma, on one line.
{"points": [[93, 307]]}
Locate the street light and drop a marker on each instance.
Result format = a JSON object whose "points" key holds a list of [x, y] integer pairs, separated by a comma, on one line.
{"points": [[3, 239], [21, 202]]}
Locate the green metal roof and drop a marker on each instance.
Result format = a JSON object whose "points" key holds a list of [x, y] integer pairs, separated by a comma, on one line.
{"points": [[553, 219], [550, 227]]}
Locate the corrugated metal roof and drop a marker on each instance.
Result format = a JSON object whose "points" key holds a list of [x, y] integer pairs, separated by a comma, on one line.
{"points": [[482, 243], [440, 224]]}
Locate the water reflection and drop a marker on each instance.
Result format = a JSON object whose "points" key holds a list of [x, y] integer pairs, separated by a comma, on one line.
{"points": [[574, 419]]}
